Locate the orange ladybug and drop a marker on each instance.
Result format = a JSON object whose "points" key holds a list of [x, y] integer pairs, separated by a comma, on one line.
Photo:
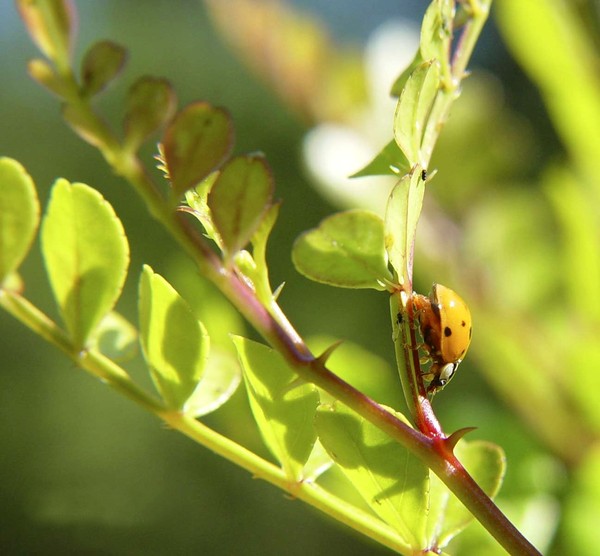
{"points": [[446, 327]]}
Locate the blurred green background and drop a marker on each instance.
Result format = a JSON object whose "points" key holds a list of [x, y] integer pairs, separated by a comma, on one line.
{"points": [[511, 223]]}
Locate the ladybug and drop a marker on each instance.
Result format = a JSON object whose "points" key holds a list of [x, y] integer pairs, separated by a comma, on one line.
{"points": [[445, 322]]}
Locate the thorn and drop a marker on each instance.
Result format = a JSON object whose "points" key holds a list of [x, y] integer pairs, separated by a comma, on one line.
{"points": [[453, 439], [328, 352], [278, 290]]}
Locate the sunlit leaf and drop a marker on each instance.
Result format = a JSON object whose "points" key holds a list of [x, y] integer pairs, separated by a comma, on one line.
{"points": [[175, 343], [19, 215], [345, 250], [392, 481], [219, 382], [86, 255], [115, 337], [283, 406], [436, 31], [196, 143], [239, 199], [391, 161], [151, 103], [401, 218], [413, 109], [486, 463], [101, 64]]}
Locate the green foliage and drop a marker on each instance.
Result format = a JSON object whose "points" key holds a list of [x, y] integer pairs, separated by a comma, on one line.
{"points": [[174, 342], [86, 255], [386, 459], [392, 481], [196, 143], [19, 215], [283, 407], [101, 64], [346, 250], [239, 199]]}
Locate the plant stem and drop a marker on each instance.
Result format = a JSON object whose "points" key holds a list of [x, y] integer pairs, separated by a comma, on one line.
{"points": [[116, 377]]}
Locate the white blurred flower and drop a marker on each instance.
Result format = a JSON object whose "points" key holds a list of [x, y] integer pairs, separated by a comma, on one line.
{"points": [[333, 152]]}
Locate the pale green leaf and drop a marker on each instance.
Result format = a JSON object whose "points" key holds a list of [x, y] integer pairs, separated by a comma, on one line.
{"points": [[19, 215], [391, 161], [401, 219], [283, 406], [413, 110], [436, 31], [393, 482], [196, 143], [175, 343], [219, 382], [486, 463], [239, 199], [115, 337], [42, 72], [346, 250], [86, 255]]}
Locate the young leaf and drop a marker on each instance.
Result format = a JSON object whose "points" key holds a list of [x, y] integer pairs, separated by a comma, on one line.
{"points": [[392, 481], [19, 215], [151, 103], [401, 218], [486, 463], [346, 250], [115, 337], [413, 110], [239, 199], [42, 72], [219, 382], [51, 25], [174, 342], [196, 143], [391, 161], [436, 31], [101, 64], [283, 407], [86, 255]]}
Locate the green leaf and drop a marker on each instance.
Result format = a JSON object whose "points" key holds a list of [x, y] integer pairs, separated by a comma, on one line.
{"points": [[413, 110], [196, 143], [283, 406], [390, 161], [42, 72], [101, 64], [83, 123], [174, 342], [436, 32], [151, 102], [401, 219], [392, 481], [400, 82], [219, 382], [19, 215], [51, 25], [239, 199], [346, 250], [486, 463], [86, 255], [115, 337]]}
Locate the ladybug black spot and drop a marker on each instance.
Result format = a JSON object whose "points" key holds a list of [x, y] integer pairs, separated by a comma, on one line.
{"points": [[463, 323], [470, 333], [447, 331]]}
